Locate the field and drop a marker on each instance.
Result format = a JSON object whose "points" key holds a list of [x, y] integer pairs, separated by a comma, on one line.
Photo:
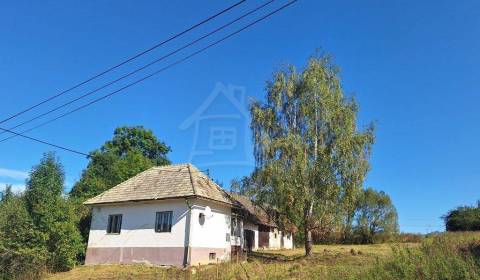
{"points": [[449, 256]]}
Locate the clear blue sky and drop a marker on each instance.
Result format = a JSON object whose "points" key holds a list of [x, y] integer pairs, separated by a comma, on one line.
{"points": [[413, 66]]}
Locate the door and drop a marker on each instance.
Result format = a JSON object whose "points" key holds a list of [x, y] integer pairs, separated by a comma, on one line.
{"points": [[249, 236]]}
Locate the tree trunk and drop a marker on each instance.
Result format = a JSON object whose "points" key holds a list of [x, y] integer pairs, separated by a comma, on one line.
{"points": [[308, 232], [308, 242]]}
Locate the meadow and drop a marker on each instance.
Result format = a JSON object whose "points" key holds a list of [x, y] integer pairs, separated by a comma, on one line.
{"points": [[446, 256]]}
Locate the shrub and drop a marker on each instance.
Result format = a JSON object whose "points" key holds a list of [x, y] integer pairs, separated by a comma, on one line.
{"points": [[22, 248], [464, 218]]}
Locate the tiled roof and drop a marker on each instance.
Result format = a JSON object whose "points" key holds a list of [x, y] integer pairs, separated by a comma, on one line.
{"points": [[171, 181], [259, 215]]}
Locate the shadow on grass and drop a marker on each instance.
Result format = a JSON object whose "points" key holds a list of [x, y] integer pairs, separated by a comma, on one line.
{"points": [[274, 257]]}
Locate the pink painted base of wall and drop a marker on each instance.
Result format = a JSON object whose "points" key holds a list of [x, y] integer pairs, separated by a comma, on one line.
{"points": [[154, 255], [129, 255], [202, 255]]}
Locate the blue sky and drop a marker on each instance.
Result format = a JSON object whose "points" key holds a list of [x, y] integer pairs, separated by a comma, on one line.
{"points": [[410, 64]]}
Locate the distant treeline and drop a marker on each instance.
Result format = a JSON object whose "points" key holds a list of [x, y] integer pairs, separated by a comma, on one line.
{"points": [[463, 218]]}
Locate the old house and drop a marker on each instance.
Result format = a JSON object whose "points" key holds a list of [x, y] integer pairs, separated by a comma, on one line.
{"points": [[175, 215]]}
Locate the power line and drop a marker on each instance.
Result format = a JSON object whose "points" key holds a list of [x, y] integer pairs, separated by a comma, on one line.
{"points": [[46, 143], [143, 67], [158, 71], [122, 63]]}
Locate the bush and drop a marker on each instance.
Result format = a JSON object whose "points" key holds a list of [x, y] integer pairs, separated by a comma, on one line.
{"points": [[464, 218], [22, 248]]}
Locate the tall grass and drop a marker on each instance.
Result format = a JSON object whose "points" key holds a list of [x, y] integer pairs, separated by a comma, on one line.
{"points": [[446, 256]]}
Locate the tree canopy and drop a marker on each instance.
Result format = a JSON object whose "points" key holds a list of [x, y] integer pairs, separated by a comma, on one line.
{"points": [[38, 229], [7, 193], [311, 158], [463, 218], [375, 214], [131, 151], [51, 213]]}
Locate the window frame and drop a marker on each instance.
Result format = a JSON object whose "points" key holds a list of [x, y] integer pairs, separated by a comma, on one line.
{"points": [[235, 227], [112, 224], [161, 229]]}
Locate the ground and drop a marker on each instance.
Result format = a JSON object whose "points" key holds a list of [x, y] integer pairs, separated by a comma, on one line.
{"points": [[260, 265]]}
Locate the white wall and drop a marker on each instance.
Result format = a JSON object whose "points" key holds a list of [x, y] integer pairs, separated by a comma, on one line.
{"points": [[213, 232], [138, 225], [287, 240], [274, 240]]}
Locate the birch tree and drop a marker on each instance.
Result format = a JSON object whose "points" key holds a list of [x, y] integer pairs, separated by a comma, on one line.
{"points": [[310, 156]]}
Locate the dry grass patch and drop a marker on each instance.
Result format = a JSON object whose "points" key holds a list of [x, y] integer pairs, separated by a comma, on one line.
{"points": [[271, 264]]}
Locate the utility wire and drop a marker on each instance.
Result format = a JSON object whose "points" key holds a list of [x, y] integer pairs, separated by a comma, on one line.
{"points": [[46, 143], [156, 72], [122, 63], [143, 67]]}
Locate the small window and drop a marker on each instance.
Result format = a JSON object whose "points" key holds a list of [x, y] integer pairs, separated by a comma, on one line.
{"points": [[163, 222], [275, 235], [212, 256], [227, 237], [235, 228], [114, 223]]}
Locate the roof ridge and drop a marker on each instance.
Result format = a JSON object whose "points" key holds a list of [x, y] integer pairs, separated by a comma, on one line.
{"points": [[191, 179], [216, 185], [170, 165]]}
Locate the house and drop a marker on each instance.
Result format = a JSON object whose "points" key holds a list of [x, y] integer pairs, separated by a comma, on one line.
{"points": [[175, 215], [260, 229]]}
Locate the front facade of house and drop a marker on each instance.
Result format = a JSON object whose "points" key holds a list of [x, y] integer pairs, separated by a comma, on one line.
{"points": [[173, 215]]}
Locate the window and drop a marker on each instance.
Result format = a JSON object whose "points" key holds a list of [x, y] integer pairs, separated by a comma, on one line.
{"points": [[227, 238], [114, 223], [212, 256], [235, 228], [163, 222]]}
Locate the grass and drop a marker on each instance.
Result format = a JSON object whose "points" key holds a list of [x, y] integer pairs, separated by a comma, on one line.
{"points": [[448, 256]]}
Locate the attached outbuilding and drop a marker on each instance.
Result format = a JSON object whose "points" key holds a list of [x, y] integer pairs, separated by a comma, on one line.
{"points": [[174, 215]]}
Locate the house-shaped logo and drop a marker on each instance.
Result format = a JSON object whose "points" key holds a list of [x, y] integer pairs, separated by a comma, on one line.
{"points": [[220, 128]]}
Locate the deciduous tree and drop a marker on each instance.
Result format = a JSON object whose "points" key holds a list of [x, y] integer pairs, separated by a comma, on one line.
{"points": [[375, 215], [52, 215], [310, 155], [131, 151], [463, 218]]}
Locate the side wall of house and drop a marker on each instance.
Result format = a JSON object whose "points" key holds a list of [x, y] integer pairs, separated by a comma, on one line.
{"points": [[138, 241], [210, 235], [253, 227], [287, 240], [274, 241]]}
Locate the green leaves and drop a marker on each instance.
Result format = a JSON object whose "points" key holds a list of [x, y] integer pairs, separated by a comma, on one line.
{"points": [[131, 151], [38, 230], [307, 146], [464, 218], [375, 214], [52, 214]]}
